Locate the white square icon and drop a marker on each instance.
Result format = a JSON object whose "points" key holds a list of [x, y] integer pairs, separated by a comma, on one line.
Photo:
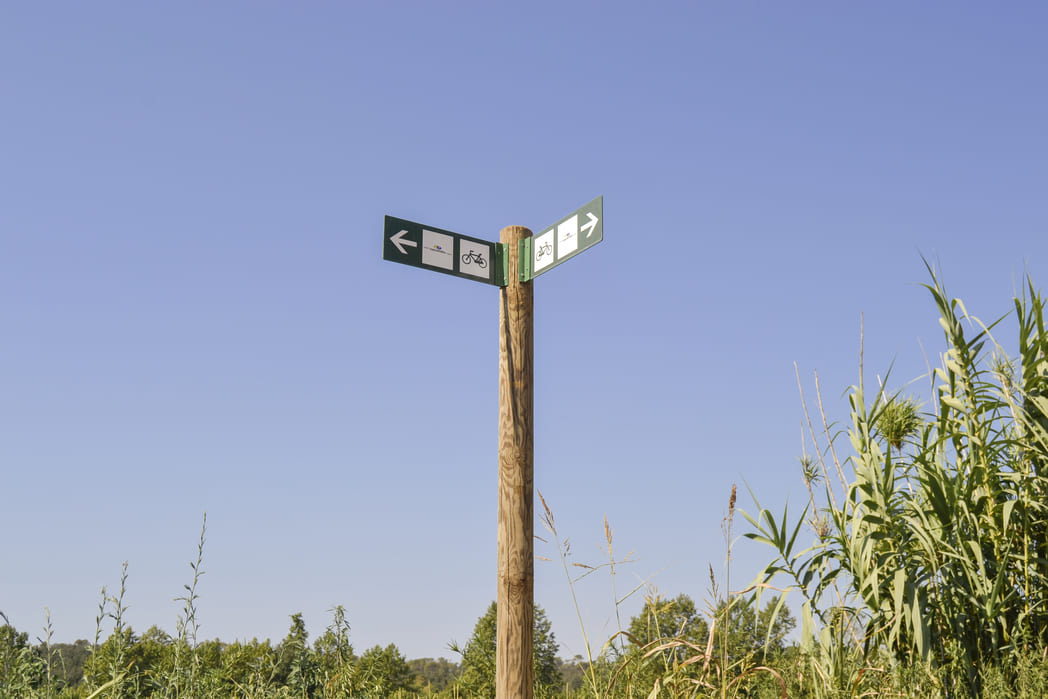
{"points": [[438, 250], [542, 250], [474, 258], [567, 237]]}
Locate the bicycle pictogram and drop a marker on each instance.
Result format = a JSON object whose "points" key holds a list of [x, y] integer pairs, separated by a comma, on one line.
{"points": [[544, 249], [471, 256]]}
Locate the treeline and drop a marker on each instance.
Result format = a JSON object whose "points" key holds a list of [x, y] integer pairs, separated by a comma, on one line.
{"points": [[155, 664]]}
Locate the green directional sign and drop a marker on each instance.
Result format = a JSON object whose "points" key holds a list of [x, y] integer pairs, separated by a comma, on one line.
{"points": [[563, 240], [419, 245]]}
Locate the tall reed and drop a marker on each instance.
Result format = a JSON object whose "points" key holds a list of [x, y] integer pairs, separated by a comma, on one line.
{"points": [[934, 554]]}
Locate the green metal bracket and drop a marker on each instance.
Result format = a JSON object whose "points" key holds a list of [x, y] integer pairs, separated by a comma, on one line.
{"points": [[524, 271], [501, 265]]}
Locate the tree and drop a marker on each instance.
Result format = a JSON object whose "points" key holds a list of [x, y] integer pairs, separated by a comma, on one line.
{"points": [[665, 634], [573, 673], [433, 675], [668, 618], [248, 666], [334, 655], [381, 672], [751, 633], [20, 668], [295, 665], [478, 656], [113, 662], [69, 662], [152, 653]]}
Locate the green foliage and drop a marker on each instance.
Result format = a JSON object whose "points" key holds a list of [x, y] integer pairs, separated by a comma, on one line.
{"points": [[478, 656], [663, 638], [20, 668], [383, 672], [185, 664], [433, 675], [295, 666], [333, 654], [674, 651], [749, 632], [245, 669], [109, 669], [68, 660], [110, 664], [935, 554], [668, 618]]}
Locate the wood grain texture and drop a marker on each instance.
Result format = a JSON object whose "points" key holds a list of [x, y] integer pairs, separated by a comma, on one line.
{"points": [[514, 674]]}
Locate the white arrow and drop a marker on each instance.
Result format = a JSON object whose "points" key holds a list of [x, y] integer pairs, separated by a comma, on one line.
{"points": [[399, 241], [590, 225]]}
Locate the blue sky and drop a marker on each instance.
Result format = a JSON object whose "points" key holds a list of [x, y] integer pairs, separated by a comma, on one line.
{"points": [[196, 315]]}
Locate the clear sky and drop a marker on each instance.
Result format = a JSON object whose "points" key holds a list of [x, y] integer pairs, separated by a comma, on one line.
{"points": [[195, 314]]}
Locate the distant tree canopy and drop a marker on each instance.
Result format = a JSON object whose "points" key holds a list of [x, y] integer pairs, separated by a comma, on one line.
{"points": [[153, 664], [434, 675], [673, 645], [668, 618], [761, 633], [382, 672]]}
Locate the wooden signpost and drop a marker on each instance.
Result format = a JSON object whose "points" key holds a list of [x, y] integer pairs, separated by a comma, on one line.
{"points": [[511, 264], [516, 561]]}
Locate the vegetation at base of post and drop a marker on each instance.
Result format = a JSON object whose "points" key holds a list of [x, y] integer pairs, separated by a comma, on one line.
{"points": [[918, 567]]}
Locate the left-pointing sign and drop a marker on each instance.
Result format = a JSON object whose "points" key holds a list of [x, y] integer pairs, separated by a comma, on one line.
{"points": [[419, 245]]}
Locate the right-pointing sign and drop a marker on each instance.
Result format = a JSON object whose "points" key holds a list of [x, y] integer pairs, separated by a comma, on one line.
{"points": [[563, 240]]}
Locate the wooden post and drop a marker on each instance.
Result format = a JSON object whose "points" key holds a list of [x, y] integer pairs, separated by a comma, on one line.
{"points": [[514, 674]]}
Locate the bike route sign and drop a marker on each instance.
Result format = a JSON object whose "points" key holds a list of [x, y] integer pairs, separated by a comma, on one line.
{"points": [[419, 245], [563, 240]]}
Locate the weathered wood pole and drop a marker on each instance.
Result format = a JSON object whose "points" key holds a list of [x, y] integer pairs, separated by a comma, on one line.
{"points": [[514, 675]]}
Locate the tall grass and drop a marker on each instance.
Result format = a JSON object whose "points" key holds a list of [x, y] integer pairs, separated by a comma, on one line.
{"points": [[186, 663], [598, 660], [932, 556], [667, 651]]}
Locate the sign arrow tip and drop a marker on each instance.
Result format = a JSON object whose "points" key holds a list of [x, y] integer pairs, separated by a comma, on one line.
{"points": [[399, 241], [590, 225]]}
